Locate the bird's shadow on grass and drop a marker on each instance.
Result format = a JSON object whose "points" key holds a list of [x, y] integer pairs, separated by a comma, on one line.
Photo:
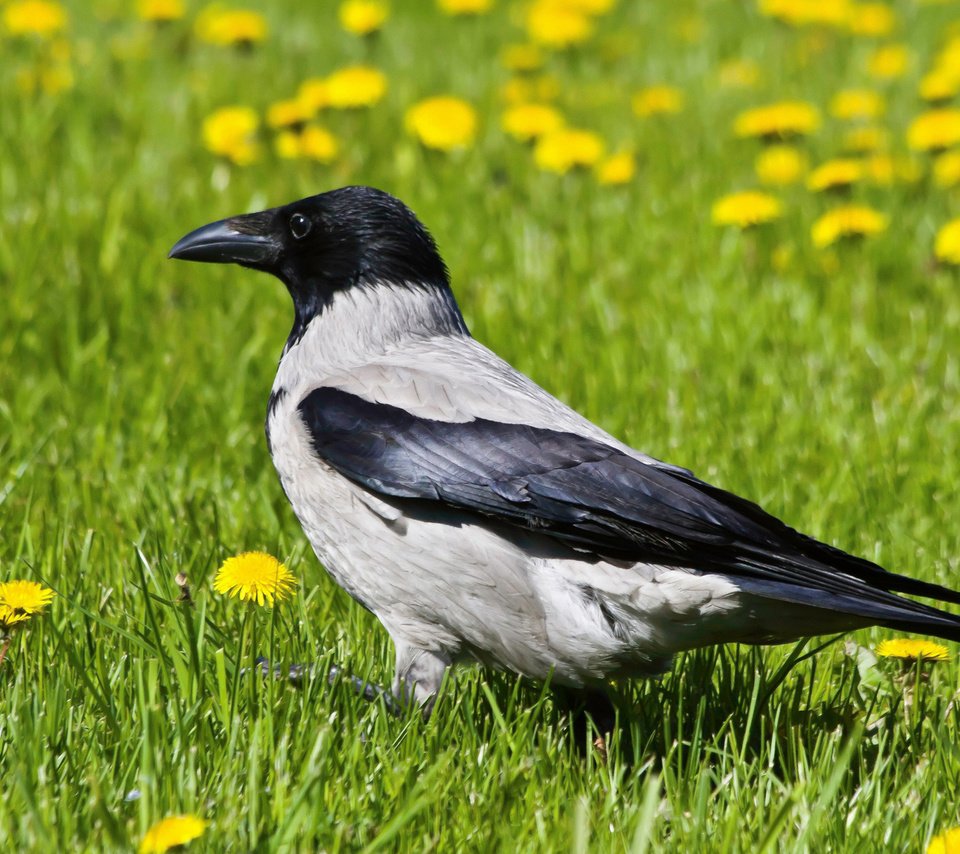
{"points": [[736, 700], [721, 701]]}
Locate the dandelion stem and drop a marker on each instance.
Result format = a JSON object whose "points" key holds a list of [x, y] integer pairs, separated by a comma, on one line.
{"points": [[247, 653], [241, 658]]}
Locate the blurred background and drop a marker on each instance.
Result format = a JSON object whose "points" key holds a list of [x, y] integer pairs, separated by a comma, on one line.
{"points": [[723, 230], [688, 221]]}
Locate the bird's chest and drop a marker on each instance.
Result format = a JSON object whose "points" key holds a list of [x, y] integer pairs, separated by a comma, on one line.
{"points": [[347, 528]]}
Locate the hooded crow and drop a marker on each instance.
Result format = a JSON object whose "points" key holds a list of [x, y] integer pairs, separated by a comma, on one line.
{"points": [[477, 516]]}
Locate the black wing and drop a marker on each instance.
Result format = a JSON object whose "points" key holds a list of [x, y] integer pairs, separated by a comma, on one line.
{"points": [[599, 499]]}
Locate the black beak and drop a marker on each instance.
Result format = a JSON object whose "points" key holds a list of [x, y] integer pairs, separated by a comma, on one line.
{"points": [[229, 241]]}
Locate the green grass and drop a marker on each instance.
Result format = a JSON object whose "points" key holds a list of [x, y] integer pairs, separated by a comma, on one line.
{"points": [[133, 391]]}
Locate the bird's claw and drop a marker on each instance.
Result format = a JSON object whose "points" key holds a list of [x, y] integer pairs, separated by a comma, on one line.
{"points": [[296, 674]]}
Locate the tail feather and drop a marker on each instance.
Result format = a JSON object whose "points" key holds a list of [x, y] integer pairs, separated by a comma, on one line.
{"points": [[912, 587], [779, 562], [935, 628], [877, 607], [876, 575], [916, 617]]}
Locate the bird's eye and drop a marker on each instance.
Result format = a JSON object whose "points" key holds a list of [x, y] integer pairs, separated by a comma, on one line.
{"points": [[299, 226]]}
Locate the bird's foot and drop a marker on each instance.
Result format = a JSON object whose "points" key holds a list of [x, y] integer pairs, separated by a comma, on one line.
{"points": [[593, 717], [296, 674]]}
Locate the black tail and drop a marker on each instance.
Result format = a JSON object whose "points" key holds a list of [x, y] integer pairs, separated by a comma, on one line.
{"points": [[915, 616], [869, 600], [783, 564], [931, 621]]}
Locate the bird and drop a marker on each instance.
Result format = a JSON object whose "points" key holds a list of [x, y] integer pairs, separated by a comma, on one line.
{"points": [[481, 519]]}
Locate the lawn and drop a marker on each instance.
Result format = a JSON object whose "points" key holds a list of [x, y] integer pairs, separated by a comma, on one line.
{"points": [[820, 378]]}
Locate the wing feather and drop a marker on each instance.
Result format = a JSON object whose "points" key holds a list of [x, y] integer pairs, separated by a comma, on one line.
{"points": [[596, 497]]}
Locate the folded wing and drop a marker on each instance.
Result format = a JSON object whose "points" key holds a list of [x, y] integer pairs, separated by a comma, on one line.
{"points": [[598, 499]]}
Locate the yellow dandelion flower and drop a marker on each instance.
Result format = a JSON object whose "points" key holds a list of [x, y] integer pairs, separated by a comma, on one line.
{"points": [[912, 649], [947, 244], [556, 25], [465, 7], [738, 74], [519, 90], [947, 842], [939, 85], [317, 143], [313, 143], [862, 140], [34, 18], [946, 169], [779, 120], [49, 79], [617, 169], [286, 114], [230, 27], [873, 20], [884, 170], [948, 60], [780, 165], [857, 104], [171, 832], [20, 600], [287, 144], [835, 174], [363, 17], [231, 133], [589, 7], [314, 94], [847, 221], [746, 209], [355, 86], [443, 123], [528, 121], [255, 576], [952, 44], [657, 100], [880, 169], [934, 130], [565, 148], [889, 62], [160, 11], [799, 13], [521, 57], [775, 9]]}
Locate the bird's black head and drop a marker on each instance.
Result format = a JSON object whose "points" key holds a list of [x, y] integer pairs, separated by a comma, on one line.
{"points": [[351, 237]]}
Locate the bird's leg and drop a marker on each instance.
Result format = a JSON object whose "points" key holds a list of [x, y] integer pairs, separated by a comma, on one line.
{"points": [[587, 706], [296, 673], [418, 676]]}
